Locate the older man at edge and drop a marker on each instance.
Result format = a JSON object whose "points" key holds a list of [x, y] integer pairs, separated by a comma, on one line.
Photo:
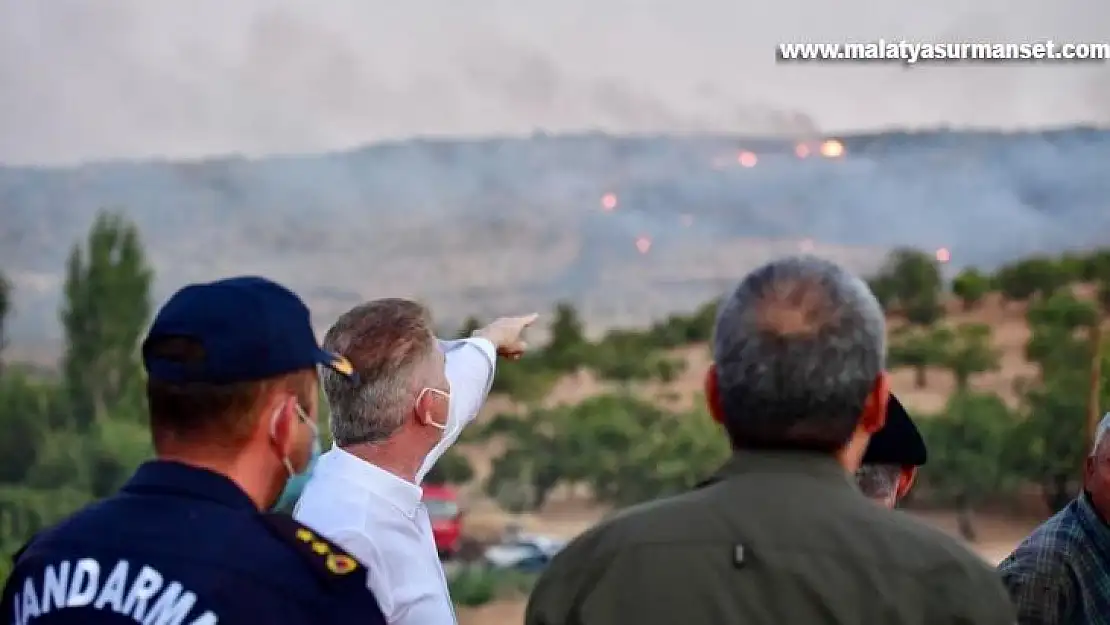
{"points": [[411, 398], [1060, 574]]}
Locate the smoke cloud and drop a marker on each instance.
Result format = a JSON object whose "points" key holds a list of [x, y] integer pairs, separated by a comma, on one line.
{"points": [[93, 79]]}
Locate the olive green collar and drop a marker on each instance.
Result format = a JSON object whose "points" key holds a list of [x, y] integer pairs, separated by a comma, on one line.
{"points": [[818, 465]]}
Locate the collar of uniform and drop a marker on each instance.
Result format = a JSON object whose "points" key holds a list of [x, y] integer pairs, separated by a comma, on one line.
{"points": [[745, 461], [403, 495], [166, 476]]}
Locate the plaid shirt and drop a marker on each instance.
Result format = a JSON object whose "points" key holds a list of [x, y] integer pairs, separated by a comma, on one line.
{"points": [[1060, 574]]}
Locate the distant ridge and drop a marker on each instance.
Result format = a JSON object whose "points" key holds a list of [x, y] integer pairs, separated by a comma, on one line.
{"points": [[488, 225]]}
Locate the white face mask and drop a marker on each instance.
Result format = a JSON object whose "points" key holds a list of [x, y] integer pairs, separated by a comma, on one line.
{"points": [[445, 395]]}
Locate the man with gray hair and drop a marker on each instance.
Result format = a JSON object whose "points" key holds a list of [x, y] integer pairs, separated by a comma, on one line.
{"points": [[1060, 574], [893, 456], [408, 401], [781, 534]]}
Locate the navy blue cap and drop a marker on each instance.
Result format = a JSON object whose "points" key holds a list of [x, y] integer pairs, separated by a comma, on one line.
{"points": [[249, 328], [899, 442]]}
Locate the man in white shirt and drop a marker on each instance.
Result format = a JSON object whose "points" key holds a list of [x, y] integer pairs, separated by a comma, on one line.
{"points": [[409, 401]]}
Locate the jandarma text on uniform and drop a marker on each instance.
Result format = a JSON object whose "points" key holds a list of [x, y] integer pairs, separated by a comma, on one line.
{"points": [[910, 52]]}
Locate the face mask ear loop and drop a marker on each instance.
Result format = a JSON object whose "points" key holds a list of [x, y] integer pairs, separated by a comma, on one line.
{"points": [[428, 416], [273, 437]]}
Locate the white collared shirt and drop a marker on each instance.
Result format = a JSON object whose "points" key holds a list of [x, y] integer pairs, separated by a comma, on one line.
{"points": [[380, 518]]}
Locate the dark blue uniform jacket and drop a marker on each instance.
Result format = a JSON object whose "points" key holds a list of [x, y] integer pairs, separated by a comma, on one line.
{"points": [[184, 546]]}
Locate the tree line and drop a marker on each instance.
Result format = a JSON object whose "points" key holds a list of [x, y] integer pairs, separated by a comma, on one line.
{"points": [[75, 434], [626, 449]]}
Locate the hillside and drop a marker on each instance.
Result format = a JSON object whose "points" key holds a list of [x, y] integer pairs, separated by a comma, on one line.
{"points": [[629, 228], [1009, 335], [570, 513]]}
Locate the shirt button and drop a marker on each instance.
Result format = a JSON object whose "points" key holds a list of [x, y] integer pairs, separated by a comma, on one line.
{"points": [[738, 556]]}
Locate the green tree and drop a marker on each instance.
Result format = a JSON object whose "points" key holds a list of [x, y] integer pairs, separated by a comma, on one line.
{"points": [[527, 380], [919, 348], [924, 311], [910, 281], [533, 461], [106, 309], [971, 285], [1039, 276], [967, 447], [1072, 267], [27, 408], [565, 350], [1096, 266], [670, 454], [969, 351], [452, 468], [1055, 324], [5, 311], [679, 330], [916, 274], [884, 289], [627, 356], [625, 449], [1050, 441]]}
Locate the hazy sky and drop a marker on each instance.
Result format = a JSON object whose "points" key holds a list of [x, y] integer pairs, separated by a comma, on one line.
{"points": [[85, 79]]}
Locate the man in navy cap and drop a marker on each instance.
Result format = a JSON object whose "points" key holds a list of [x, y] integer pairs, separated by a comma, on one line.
{"points": [[893, 457], [232, 392]]}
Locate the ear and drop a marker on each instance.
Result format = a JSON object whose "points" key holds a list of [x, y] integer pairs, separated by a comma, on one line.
{"points": [[874, 409], [280, 422], [427, 407], [906, 478], [713, 394]]}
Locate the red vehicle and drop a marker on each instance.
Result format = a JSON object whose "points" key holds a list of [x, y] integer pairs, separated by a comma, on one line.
{"points": [[442, 503]]}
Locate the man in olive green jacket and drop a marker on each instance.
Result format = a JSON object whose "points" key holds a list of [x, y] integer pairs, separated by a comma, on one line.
{"points": [[780, 535]]}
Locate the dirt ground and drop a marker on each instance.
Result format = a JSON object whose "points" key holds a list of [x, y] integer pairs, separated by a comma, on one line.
{"points": [[998, 536]]}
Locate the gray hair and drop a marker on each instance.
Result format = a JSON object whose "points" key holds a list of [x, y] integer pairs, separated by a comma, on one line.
{"points": [[1101, 433], [878, 481], [798, 347], [388, 342]]}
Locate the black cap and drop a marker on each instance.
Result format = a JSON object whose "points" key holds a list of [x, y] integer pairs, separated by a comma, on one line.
{"points": [[898, 442]]}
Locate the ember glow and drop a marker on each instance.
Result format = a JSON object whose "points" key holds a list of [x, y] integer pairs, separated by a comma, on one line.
{"points": [[747, 159], [943, 255], [832, 149], [609, 202], [801, 150], [643, 244]]}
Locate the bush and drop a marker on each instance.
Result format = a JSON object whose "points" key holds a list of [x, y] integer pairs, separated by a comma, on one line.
{"points": [[473, 586], [970, 286], [1033, 276]]}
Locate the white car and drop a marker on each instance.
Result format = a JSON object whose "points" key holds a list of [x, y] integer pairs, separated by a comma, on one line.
{"points": [[527, 553]]}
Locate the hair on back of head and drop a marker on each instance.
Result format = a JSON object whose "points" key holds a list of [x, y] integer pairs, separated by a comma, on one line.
{"points": [[215, 415], [386, 341], [798, 347], [878, 481], [1101, 442]]}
